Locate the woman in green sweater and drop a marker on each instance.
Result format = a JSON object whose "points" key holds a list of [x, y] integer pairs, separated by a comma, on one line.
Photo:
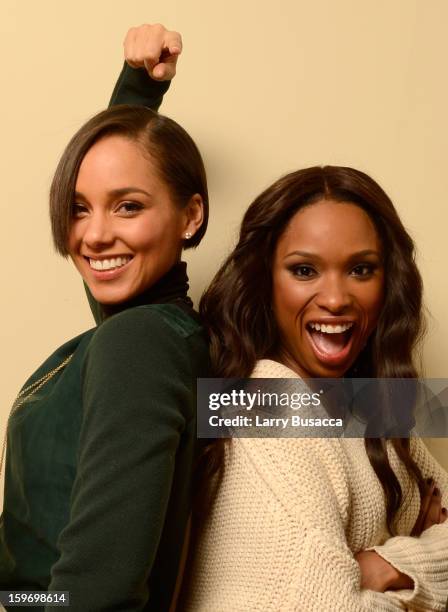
{"points": [[102, 438]]}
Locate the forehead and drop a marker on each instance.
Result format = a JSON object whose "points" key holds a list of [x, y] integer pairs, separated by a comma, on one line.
{"points": [[327, 228], [114, 160]]}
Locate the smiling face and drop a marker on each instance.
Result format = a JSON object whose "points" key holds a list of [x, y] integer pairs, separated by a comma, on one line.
{"points": [[126, 231], [328, 286]]}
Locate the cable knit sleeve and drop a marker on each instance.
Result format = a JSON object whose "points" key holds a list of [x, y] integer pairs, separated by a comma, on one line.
{"points": [[309, 476], [275, 538], [424, 559]]}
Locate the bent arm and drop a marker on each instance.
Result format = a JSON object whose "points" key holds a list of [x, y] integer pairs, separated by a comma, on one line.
{"points": [[423, 558], [326, 574], [134, 403]]}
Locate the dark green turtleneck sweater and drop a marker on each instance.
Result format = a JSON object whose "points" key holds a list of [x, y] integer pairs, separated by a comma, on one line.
{"points": [[100, 460]]}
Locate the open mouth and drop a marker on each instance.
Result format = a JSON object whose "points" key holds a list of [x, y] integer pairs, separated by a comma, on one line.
{"points": [[331, 342]]}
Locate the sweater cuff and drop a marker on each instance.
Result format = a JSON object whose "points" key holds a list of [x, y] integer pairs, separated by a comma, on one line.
{"points": [[423, 560], [381, 602], [135, 86]]}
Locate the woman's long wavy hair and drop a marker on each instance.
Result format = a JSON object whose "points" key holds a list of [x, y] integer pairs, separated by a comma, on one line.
{"points": [[237, 305]]}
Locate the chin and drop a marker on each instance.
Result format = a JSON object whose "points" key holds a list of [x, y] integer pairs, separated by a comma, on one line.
{"points": [[322, 371], [110, 298], [336, 373]]}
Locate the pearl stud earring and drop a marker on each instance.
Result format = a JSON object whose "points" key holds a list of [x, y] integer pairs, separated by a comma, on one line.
{"points": [[188, 235]]}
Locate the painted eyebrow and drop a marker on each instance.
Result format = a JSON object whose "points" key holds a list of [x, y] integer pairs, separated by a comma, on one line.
{"points": [[310, 255], [116, 193]]}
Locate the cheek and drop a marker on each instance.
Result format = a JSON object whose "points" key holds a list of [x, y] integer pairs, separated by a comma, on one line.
{"points": [[73, 239], [161, 232], [142, 236], [288, 300], [373, 301]]}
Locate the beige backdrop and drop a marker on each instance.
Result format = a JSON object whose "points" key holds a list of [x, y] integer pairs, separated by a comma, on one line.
{"points": [[264, 87]]}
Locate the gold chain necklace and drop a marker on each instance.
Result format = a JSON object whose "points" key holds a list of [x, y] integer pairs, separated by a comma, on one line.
{"points": [[26, 394]]}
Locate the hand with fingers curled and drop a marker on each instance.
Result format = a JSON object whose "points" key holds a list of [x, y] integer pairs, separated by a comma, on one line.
{"points": [[431, 510], [155, 48], [378, 574]]}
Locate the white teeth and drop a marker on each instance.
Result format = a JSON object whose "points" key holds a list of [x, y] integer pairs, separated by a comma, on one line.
{"points": [[109, 264], [331, 329]]}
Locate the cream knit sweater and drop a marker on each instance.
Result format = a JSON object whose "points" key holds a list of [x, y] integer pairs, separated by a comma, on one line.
{"points": [[288, 518]]}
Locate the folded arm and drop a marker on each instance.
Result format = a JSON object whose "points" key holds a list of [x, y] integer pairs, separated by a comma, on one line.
{"points": [[425, 558], [287, 528]]}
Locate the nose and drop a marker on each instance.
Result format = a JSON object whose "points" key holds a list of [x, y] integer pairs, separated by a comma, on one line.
{"points": [[333, 294], [98, 231]]}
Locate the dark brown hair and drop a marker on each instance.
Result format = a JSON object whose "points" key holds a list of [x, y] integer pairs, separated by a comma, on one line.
{"points": [[166, 144], [237, 305]]}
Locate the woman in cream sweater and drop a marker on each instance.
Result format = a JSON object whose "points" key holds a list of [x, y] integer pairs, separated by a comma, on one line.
{"points": [[322, 283]]}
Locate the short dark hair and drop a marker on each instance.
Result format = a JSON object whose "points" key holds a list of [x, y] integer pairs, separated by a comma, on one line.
{"points": [[167, 144]]}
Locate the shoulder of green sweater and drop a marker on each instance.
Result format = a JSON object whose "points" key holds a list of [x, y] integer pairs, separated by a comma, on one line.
{"points": [[152, 317], [157, 333]]}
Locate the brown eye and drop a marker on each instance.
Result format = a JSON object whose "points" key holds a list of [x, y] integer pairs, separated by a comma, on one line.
{"points": [[363, 270], [129, 208], [303, 271], [78, 210]]}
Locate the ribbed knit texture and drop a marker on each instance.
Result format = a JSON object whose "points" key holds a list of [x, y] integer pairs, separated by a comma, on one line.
{"points": [[288, 518]]}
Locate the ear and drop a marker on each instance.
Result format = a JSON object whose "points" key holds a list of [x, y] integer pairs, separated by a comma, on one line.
{"points": [[194, 216]]}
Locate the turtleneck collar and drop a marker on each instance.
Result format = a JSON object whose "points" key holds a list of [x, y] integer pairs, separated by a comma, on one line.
{"points": [[172, 287]]}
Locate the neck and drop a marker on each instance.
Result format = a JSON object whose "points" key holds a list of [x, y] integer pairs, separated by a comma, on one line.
{"points": [[172, 287]]}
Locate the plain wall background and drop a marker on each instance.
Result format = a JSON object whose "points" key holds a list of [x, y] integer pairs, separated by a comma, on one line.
{"points": [[264, 88]]}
